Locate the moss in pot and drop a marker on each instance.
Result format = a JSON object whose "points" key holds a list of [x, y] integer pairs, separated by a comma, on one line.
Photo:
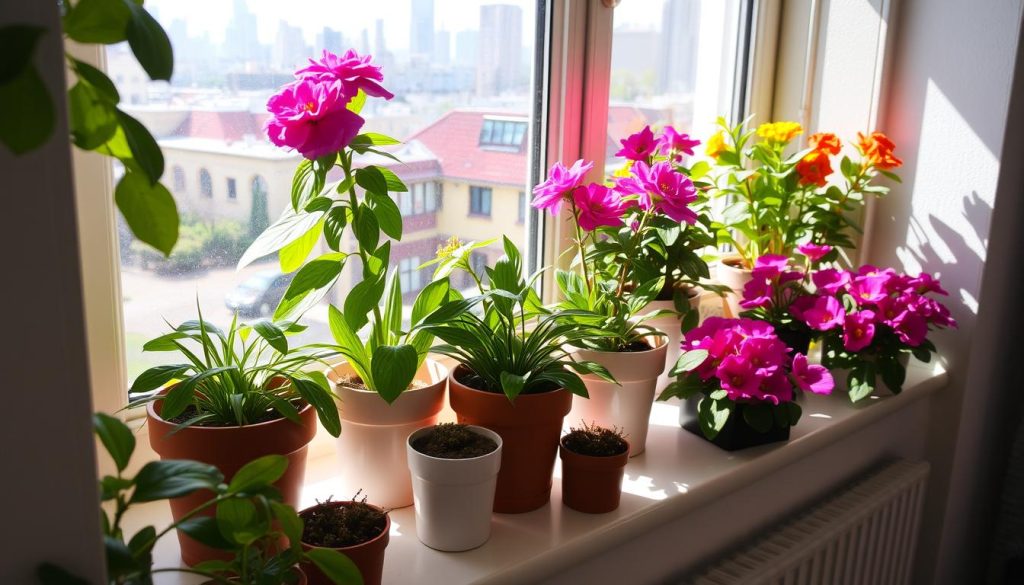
{"points": [[593, 463], [354, 528]]}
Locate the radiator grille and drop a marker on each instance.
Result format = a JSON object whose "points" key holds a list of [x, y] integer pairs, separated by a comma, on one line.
{"points": [[865, 534]]}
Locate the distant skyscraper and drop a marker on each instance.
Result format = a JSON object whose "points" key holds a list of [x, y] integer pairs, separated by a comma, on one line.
{"points": [[290, 48], [421, 28], [466, 47], [380, 47], [240, 40], [331, 40], [677, 51], [364, 42], [500, 49], [442, 47]]}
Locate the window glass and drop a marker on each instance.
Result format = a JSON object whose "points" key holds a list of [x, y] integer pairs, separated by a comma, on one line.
{"points": [[232, 189], [179, 179], [452, 67], [480, 200]]}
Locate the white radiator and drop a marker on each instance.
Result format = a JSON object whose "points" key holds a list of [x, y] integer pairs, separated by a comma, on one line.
{"points": [[863, 535]]}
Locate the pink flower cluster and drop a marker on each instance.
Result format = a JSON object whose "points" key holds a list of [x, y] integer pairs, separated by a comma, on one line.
{"points": [[751, 363], [642, 146], [311, 114]]}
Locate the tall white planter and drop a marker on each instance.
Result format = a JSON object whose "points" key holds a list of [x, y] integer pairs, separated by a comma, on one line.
{"points": [[454, 497], [371, 447], [730, 273], [626, 406]]}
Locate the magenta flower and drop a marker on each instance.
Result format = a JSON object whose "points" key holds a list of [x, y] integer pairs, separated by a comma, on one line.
{"points": [[819, 313], [776, 389], [858, 330], [672, 191], [770, 265], [811, 377], [891, 309], [675, 144], [738, 377], [349, 71], [830, 281], [911, 327], [639, 146], [311, 118], [765, 354], [635, 185], [560, 184], [598, 206], [870, 288], [756, 293], [925, 283], [813, 251]]}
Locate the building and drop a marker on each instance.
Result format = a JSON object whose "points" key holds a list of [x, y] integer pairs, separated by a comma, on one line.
{"points": [[421, 29], [290, 50], [442, 48], [466, 47], [677, 51], [331, 40], [500, 49]]}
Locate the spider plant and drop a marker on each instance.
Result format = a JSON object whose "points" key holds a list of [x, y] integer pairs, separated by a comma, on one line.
{"points": [[236, 378], [514, 346]]}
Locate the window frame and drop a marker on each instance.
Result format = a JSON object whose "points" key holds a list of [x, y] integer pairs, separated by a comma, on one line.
{"points": [[476, 194]]}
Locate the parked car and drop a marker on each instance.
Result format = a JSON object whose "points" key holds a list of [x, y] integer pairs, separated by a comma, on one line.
{"points": [[259, 294]]}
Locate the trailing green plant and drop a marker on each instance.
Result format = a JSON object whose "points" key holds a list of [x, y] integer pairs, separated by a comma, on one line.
{"points": [[241, 376], [515, 346], [248, 520], [97, 123]]}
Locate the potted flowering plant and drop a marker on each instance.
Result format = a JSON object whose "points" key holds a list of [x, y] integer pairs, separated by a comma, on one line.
{"points": [[747, 380], [385, 386], [881, 319], [516, 374], [776, 201], [593, 463], [240, 394]]}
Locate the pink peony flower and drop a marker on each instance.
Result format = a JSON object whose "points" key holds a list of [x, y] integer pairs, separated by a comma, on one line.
{"points": [[811, 377], [738, 377], [639, 146], [311, 118], [349, 71], [598, 206], [560, 184], [858, 330], [673, 192], [675, 144], [814, 252], [830, 281], [819, 313]]}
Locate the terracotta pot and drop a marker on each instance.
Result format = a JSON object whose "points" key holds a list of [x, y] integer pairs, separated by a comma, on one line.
{"points": [[737, 434], [228, 449], [371, 448], [454, 497], [367, 556], [529, 430], [731, 273], [592, 484], [671, 327], [626, 405]]}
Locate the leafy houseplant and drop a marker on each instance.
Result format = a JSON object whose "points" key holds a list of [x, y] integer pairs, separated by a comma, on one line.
{"points": [[516, 376], [97, 123], [248, 520], [747, 379], [593, 463], [243, 393]]}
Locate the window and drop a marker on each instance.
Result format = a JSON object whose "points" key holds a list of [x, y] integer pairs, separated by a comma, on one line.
{"points": [[232, 189], [522, 206], [179, 179], [480, 201], [432, 196], [205, 183], [503, 132], [409, 274]]}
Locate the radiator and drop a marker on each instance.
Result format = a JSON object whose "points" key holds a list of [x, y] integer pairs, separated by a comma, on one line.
{"points": [[865, 534]]}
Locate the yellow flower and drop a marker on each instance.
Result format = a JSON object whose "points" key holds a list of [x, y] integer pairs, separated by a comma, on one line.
{"points": [[779, 132], [449, 248], [716, 145], [623, 171]]}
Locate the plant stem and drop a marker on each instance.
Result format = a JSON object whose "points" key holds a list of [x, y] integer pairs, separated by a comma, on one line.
{"points": [[346, 165], [579, 246]]}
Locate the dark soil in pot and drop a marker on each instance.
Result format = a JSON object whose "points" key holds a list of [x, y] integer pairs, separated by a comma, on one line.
{"points": [[454, 441], [354, 528], [593, 463], [357, 383], [595, 442]]}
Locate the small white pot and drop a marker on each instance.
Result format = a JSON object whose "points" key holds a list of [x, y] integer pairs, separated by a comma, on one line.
{"points": [[626, 407], [454, 497], [730, 273], [371, 447]]}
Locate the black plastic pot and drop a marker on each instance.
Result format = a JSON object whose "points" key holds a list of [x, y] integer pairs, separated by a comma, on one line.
{"points": [[737, 434], [797, 341]]}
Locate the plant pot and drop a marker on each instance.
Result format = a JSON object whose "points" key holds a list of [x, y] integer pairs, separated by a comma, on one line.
{"points": [[671, 327], [454, 497], [737, 434], [796, 341], [731, 273], [368, 556], [627, 405], [371, 447], [228, 449], [529, 428], [592, 484]]}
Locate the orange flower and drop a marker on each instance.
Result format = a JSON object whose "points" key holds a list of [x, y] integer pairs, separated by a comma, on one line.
{"points": [[716, 145], [878, 150], [779, 132], [825, 141], [814, 168]]}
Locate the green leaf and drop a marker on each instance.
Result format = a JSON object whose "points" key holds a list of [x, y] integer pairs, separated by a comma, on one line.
{"points": [[293, 254], [93, 119], [363, 297], [290, 226], [689, 361], [393, 368], [334, 226], [372, 180], [513, 384], [180, 396], [116, 437], [861, 380], [150, 44], [290, 522], [310, 284], [98, 80], [149, 210], [170, 478], [29, 115], [350, 344], [335, 566], [258, 473], [156, 377], [145, 151], [395, 185], [272, 334], [712, 416], [388, 215], [374, 139], [893, 374], [355, 105], [316, 393], [393, 307], [367, 228], [429, 299], [97, 21], [204, 529], [143, 541], [17, 45], [451, 310], [239, 522], [759, 417]]}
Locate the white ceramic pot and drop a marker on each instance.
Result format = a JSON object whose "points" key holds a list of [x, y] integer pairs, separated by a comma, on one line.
{"points": [[371, 447], [454, 497], [626, 406], [733, 276], [670, 326]]}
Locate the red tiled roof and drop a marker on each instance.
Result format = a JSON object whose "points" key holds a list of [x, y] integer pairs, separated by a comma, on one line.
{"points": [[227, 126], [455, 138]]}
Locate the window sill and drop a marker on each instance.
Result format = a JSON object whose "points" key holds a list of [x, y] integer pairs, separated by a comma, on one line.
{"points": [[677, 474], [479, 215]]}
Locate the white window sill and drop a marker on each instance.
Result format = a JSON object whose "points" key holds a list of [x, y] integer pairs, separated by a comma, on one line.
{"points": [[677, 474]]}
